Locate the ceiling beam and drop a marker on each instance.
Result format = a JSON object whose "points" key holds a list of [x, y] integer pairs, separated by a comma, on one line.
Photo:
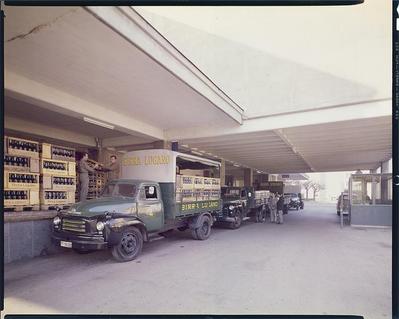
{"points": [[136, 30], [303, 119], [289, 143]]}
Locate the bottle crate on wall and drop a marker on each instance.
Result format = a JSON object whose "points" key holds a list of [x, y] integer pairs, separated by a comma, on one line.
{"points": [[18, 163], [20, 197], [62, 153], [21, 180], [55, 182], [57, 167], [18, 146], [59, 197]]}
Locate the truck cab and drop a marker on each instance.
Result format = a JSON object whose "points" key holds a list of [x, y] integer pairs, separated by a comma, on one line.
{"points": [[129, 211], [239, 203]]}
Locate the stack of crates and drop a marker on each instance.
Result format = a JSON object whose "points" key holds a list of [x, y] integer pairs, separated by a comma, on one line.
{"points": [[21, 174], [186, 184], [198, 188], [58, 176], [215, 188], [207, 191]]}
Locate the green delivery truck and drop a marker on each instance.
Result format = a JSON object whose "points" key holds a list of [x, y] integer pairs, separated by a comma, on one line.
{"points": [[158, 191]]}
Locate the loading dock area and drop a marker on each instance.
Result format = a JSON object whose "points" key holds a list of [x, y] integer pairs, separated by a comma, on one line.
{"points": [[158, 94], [307, 265]]}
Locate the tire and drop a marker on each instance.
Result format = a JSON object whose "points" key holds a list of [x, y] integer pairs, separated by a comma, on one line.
{"points": [[130, 245], [237, 223], [82, 251], [260, 216], [204, 230], [184, 228]]}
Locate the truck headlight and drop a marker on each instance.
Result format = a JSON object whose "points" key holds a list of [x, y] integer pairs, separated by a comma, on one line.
{"points": [[100, 226], [231, 207], [56, 221]]}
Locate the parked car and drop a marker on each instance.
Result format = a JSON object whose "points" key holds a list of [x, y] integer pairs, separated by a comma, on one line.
{"points": [[295, 201]]}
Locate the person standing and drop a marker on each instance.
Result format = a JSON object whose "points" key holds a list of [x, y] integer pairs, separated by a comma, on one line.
{"points": [[112, 168], [84, 170], [280, 207], [272, 208]]}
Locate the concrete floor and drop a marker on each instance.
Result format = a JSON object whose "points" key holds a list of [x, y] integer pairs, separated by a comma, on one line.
{"points": [[306, 266]]}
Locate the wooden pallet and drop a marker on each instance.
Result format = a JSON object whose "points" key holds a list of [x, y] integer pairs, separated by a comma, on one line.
{"points": [[53, 207], [21, 208]]}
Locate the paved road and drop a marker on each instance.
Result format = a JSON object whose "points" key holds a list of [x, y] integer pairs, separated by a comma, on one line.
{"points": [[306, 266]]}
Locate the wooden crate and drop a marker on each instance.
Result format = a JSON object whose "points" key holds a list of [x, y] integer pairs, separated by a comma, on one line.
{"points": [[187, 195], [9, 176], [69, 198], [70, 168], [32, 198], [50, 151], [11, 145], [198, 182], [215, 183], [187, 182], [51, 182], [27, 164]]}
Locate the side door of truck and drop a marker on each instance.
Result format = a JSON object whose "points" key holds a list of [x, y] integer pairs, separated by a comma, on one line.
{"points": [[245, 202], [150, 206]]}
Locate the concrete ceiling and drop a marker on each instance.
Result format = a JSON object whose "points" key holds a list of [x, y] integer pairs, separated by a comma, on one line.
{"points": [[29, 112], [338, 146], [274, 60], [70, 51]]}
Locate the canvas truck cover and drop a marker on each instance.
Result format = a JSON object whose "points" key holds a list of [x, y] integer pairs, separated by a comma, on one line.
{"points": [[158, 165]]}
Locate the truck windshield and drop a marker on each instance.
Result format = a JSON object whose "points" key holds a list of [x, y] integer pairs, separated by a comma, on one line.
{"points": [[119, 189]]}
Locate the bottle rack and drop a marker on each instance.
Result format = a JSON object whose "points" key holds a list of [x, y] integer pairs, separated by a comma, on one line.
{"points": [[21, 163], [18, 146], [55, 182], [57, 152], [56, 167], [59, 197], [20, 197], [21, 180]]}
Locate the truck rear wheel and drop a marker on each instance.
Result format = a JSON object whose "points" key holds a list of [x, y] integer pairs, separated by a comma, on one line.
{"points": [[130, 245], [204, 230]]}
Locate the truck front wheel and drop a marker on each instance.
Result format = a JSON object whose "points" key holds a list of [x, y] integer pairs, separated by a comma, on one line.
{"points": [[130, 245], [237, 220], [204, 230]]}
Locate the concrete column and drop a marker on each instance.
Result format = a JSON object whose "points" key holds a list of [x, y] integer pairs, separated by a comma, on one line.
{"points": [[248, 177], [223, 173], [162, 145]]}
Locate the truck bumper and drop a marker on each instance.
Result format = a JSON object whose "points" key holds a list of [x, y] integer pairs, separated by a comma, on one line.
{"points": [[79, 242]]}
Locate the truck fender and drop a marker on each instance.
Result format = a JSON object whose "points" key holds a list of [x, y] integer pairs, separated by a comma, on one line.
{"points": [[117, 226], [197, 220]]}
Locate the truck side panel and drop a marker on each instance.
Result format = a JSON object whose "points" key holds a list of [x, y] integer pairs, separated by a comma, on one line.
{"points": [[168, 196]]}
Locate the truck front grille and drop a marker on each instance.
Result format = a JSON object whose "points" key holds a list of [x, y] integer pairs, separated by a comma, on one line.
{"points": [[74, 225]]}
